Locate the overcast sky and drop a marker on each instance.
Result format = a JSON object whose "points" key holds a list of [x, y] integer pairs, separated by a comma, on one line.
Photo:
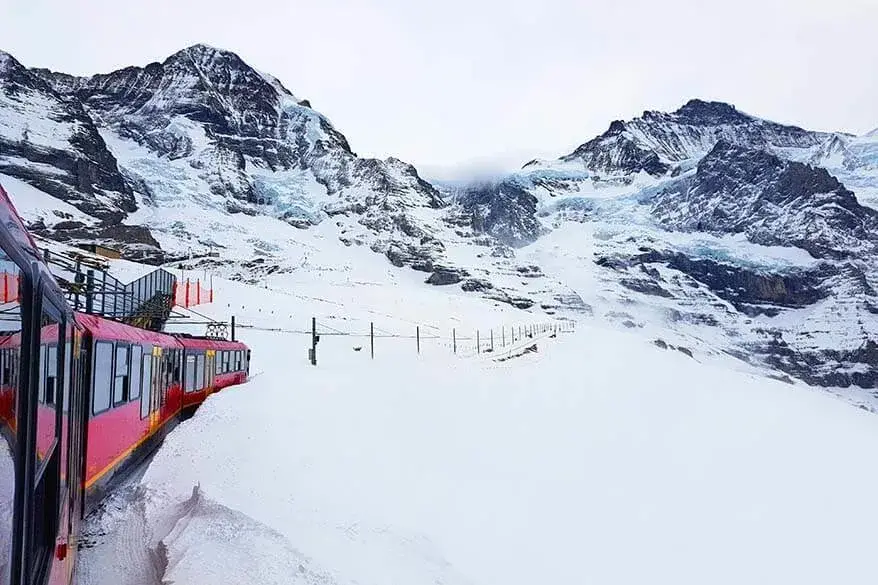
{"points": [[462, 85]]}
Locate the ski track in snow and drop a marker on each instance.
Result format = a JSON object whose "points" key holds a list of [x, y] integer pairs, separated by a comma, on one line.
{"points": [[599, 459]]}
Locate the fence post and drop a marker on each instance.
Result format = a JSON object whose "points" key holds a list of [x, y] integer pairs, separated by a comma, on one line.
{"points": [[478, 343], [454, 339], [492, 340], [503, 334], [313, 341], [89, 292], [372, 338], [418, 337]]}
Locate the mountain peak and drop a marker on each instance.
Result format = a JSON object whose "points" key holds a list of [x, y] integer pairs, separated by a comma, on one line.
{"points": [[7, 62], [203, 56], [202, 49], [710, 112]]}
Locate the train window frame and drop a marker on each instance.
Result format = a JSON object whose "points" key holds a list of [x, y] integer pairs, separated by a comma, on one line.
{"points": [[68, 368], [135, 366], [94, 377], [126, 380], [200, 371], [41, 378], [178, 368], [53, 387], [146, 383], [189, 376]]}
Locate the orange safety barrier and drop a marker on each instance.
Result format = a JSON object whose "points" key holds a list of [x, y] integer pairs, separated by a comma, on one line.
{"points": [[10, 287], [187, 294]]}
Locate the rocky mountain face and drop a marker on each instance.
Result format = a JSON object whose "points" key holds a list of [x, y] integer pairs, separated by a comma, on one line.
{"points": [[50, 141], [658, 142], [772, 201], [201, 125], [748, 237], [719, 231]]}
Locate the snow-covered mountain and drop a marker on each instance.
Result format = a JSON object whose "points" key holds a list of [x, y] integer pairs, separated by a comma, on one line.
{"points": [[707, 227], [756, 239], [203, 133]]}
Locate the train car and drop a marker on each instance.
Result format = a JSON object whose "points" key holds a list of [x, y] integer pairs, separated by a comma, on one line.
{"points": [[210, 365], [133, 394], [82, 400], [37, 458]]}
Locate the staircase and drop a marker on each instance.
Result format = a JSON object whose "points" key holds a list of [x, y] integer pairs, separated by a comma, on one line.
{"points": [[146, 302]]}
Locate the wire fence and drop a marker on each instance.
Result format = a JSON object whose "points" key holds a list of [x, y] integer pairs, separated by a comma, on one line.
{"points": [[497, 343]]}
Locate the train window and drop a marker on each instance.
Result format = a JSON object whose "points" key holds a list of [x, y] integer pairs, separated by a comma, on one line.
{"points": [[134, 376], [146, 384], [238, 360], [102, 377], [68, 358], [178, 356], [199, 372], [51, 374], [190, 373], [121, 383], [218, 363], [168, 365], [42, 394]]}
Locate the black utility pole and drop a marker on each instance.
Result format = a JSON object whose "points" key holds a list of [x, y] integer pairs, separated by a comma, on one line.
{"points": [[233, 328], [313, 341]]}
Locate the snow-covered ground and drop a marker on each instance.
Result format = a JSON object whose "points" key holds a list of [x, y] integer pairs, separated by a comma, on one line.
{"points": [[598, 459]]}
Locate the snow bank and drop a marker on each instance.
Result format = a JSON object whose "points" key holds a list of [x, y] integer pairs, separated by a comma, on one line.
{"points": [[600, 459]]}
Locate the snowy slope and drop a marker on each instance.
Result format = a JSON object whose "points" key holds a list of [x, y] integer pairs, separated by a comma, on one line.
{"points": [[602, 458]]}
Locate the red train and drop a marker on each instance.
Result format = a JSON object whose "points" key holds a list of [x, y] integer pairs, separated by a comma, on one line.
{"points": [[82, 400]]}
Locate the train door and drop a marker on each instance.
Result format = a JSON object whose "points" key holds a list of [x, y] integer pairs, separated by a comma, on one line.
{"points": [[156, 396], [77, 416], [209, 370]]}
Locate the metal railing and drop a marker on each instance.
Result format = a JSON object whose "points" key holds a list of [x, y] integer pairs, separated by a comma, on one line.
{"points": [[146, 301]]}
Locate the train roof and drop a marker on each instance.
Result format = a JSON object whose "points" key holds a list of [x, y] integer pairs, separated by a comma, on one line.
{"points": [[102, 328], [191, 342]]}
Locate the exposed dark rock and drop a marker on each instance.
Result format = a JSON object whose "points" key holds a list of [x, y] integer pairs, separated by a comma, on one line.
{"points": [[445, 276], [646, 287], [772, 201], [476, 284], [505, 210], [530, 271], [521, 302]]}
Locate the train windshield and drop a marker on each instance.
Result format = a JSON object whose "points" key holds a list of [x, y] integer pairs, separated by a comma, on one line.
{"points": [[10, 344]]}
